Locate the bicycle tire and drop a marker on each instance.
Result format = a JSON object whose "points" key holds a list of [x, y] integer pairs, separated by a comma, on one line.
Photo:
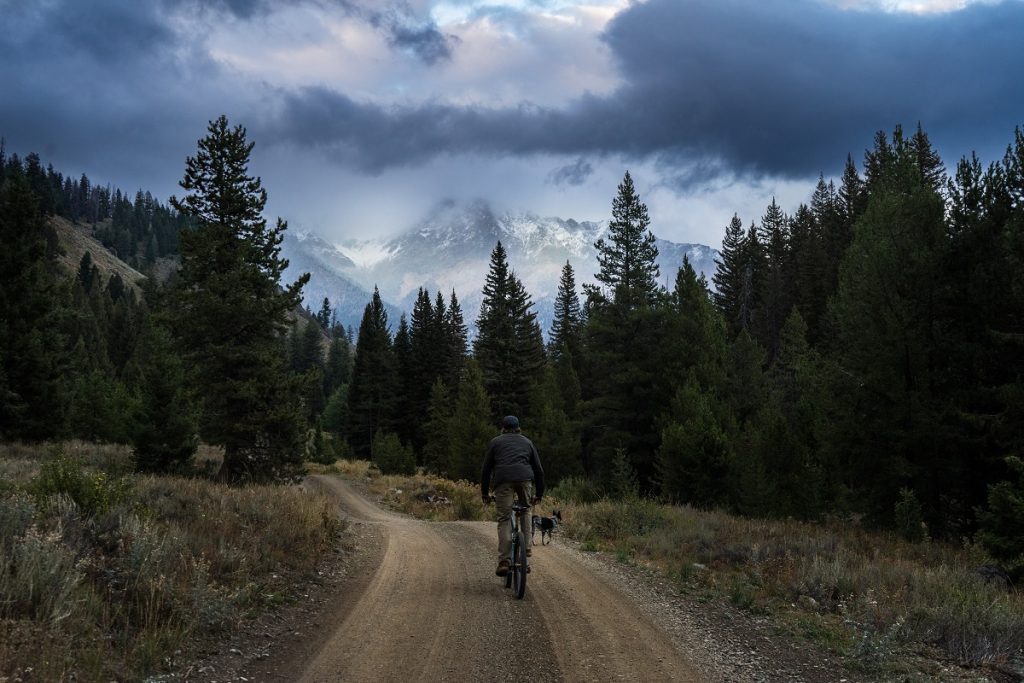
{"points": [[512, 569], [519, 567]]}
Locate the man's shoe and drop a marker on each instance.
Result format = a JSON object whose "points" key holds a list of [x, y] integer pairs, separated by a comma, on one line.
{"points": [[503, 568]]}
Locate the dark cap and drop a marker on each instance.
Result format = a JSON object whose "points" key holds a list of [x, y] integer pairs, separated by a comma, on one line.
{"points": [[510, 422]]}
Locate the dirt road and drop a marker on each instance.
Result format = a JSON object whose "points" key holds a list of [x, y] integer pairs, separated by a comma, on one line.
{"points": [[432, 609]]}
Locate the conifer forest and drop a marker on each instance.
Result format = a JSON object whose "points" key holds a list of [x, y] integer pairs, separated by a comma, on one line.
{"points": [[858, 357]]}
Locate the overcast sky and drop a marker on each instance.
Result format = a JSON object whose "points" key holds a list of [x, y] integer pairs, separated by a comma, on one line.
{"points": [[366, 113]]}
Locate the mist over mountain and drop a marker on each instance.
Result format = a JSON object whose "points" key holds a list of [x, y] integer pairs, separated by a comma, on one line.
{"points": [[450, 249]]}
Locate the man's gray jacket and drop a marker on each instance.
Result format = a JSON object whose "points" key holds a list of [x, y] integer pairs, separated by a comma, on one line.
{"points": [[511, 457]]}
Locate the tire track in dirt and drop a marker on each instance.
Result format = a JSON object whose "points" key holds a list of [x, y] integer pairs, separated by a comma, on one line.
{"points": [[434, 610]]}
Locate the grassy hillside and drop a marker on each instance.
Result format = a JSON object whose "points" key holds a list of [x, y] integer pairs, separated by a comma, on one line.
{"points": [[889, 607], [76, 239], [104, 573]]}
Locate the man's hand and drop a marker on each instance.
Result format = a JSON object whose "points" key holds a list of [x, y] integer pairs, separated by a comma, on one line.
{"points": [[535, 500], [486, 500]]}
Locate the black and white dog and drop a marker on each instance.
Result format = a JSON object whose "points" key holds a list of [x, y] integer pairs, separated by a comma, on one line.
{"points": [[546, 525]]}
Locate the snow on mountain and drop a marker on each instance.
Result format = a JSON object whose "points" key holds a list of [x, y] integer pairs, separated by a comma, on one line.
{"points": [[451, 247]]}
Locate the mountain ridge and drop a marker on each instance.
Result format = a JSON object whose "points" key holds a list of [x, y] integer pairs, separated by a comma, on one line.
{"points": [[450, 249]]}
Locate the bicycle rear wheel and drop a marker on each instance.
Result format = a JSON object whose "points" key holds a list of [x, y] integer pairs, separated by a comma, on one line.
{"points": [[519, 566]]}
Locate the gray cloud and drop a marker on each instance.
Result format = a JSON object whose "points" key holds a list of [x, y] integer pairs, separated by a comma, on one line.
{"points": [[749, 87], [574, 174], [426, 42], [404, 30], [100, 31]]}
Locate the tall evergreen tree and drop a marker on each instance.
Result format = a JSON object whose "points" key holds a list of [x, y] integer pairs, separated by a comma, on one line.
{"points": [[374, 381], [406, 384], [730, 273], [471, 426], [338, 368], [230, 311], [166, 429], [886, 314], [456, 342], [774, 235], [566, 334], [556, 435], [808, 270], [324, 315], [509, 347], [32, 395], [309, 363], [627, 345], [694, 455], [627, 261], [437, 446]]}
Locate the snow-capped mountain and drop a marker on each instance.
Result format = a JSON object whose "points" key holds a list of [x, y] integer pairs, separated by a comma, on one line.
{"points": [[451, 248]]}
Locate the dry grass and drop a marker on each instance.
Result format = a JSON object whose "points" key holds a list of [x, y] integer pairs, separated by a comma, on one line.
{"points": [[106, 590], [865, 594], [425, 496], [870, 596]]}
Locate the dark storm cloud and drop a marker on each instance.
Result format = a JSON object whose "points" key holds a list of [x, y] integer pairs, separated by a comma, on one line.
{"points": [[747, 86], [426, 42], [405, 31], [572, 174], [101, 30], [118, 88], [106, 87]]}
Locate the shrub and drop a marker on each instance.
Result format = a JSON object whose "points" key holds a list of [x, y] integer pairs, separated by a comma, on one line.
{"points": [[621, 480], [577, 490], [908, 517], [390, 456], [1001, 524], [319, 449], [92, 492], [38, 577]]}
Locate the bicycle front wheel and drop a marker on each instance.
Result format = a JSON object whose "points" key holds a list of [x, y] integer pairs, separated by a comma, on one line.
{"points": [[519, 566], [512, 569]]}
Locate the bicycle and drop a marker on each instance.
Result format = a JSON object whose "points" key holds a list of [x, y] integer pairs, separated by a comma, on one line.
{"points": [[516, 577]]}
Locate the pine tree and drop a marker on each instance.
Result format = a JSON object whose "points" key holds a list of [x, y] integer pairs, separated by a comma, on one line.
{"points": [[927, 160], [309, 363], [556, 435], [338, 368], [885, 315], [335, 417], [509, 347], [1003, 519], [774, 235], [374, 380], [752, 288], [323, 316], [428, 358], [230, 312], [730, 273], [32, 357], [695, 452], [165, 435], [628, 260], [628, 347], [566, 335], [471, 427], [437, 446], [406, 387], [693, 456], [456, 342]]}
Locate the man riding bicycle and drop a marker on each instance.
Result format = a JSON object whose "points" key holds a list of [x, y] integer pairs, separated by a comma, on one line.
{"points": [[514, 462]]}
